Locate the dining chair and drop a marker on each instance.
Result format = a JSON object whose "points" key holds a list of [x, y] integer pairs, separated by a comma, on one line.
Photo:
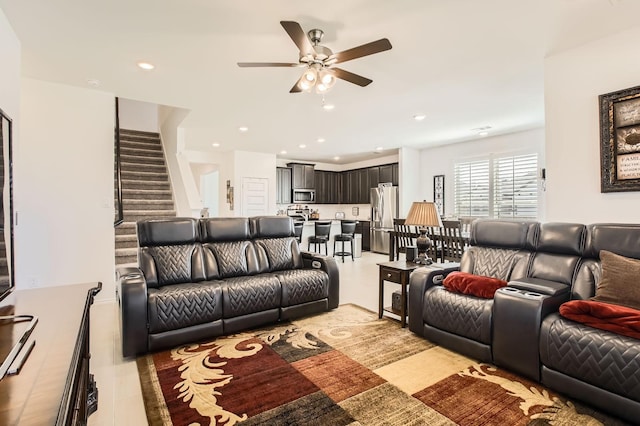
{"points": [[347, 234], [405, 236], [453, 243]]}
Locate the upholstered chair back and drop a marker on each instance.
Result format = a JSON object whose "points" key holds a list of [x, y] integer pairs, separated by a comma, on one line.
{"points": [[622, 239], [558, 251], [228, 251], [170, 252], [499, 249], [275, 243]]}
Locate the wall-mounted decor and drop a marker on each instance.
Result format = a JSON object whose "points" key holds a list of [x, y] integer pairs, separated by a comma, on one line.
{"points": [[230, 195], [438, 193], [620, 140]]}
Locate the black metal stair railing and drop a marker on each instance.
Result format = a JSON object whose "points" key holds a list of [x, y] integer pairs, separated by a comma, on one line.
{"points": [[119, 215]]}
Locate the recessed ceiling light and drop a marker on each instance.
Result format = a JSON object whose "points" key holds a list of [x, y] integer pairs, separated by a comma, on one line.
{"points": [[93, 82], [215, 144], [336, 158], [146, 65], [419, 117], [379, 148], [303, 146], [328, 107], [483, 133], [283, 152], [243, 129], [321, 140]]}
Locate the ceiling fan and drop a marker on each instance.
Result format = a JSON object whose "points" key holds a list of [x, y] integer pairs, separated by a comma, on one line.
{"points": [[320, 60]]}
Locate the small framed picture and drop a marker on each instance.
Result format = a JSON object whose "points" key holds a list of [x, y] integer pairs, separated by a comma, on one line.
{"points": [[438, 193]]}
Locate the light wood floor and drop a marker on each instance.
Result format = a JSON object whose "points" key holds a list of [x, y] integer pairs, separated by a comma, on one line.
{"points": [[120, 398]]}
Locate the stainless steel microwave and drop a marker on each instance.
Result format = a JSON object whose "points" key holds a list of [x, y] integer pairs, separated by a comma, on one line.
{"points": [[304, 196]]}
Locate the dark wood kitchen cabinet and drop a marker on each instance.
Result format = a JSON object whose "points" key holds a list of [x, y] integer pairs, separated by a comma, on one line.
{"points": [[364, 228], [386, 173], [328, 187], [303, 175], [283, 185]]}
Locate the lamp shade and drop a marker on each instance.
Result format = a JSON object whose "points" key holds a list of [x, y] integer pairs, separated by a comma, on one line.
{"points": [[423, 213]]}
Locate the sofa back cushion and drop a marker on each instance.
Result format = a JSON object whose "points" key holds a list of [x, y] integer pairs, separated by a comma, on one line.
{"points": [[230, 259], [558, 251], [271, 227], [169, 251], [277, 254], [619, 238], [499, 248]]}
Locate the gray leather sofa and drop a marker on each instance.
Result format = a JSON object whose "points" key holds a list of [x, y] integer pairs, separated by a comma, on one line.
{"points": [[520, 329], [199, 279]]}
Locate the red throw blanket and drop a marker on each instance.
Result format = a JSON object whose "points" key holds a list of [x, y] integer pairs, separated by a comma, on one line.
{"points": [[476, 285], [605, 316]]}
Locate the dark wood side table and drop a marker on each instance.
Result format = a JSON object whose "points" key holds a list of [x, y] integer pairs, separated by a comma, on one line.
{"points": [[396, 272]]}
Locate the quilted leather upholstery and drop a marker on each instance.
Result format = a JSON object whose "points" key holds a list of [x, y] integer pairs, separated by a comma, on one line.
{"points": [[173, 263], [280, 253], [460, 314], [493, 262], [182, 305], [607, 360], [246, 295], [303, 285], [231, 257]]}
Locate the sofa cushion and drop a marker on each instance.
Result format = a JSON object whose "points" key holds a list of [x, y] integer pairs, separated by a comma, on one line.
{"points": [[490, 262], [475, 285], [281, 253], [605, 316], [250, 294], [182, 305], [303, 285], [620, 282], [459, 314], [164, 265], [230, 259], [601, 358]]}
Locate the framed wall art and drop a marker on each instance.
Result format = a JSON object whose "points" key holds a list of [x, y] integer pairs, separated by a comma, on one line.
{"points": [[620, 140], [438, 193]]}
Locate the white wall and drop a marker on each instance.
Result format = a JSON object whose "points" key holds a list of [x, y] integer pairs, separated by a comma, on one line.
{"points": [[409, 179], [136, 115], [172, 141], [573, 81], [440, 161], [64, 187], [9, 72]]}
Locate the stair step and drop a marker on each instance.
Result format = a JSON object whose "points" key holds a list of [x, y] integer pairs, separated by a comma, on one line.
{"points": [[146, 176], [141, 152], [141, 185], [128, 204], [126, 228], [132, 167], [146, 194], [141, 159], [149, 144], [141, 133], [136, 215]]}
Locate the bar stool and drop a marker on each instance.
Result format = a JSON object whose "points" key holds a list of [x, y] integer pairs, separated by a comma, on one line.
{"points": [[297, 231], [321, 236], [347, 232]]}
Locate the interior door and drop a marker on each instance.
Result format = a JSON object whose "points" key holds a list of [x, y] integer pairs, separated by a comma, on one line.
{"points": [[255, 196]]}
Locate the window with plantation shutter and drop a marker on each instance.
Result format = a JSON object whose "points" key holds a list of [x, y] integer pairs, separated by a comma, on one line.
{"points": [[498, 187], [471, 188], [515, 187]]}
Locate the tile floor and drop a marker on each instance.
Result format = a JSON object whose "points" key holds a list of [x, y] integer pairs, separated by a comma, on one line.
{"points": [[120, 399]]}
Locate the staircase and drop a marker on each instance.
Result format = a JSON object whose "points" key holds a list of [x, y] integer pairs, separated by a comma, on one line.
{"points": [[146, 190]]}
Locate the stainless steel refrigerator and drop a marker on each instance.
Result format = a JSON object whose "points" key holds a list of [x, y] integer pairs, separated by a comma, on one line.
{"points": [[384, 208]]}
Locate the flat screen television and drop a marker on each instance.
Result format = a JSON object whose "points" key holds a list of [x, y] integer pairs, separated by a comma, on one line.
{"points": [[7, 281]]}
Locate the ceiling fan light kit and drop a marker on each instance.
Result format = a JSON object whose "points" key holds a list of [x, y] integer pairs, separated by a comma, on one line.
{"points": [[319, 60]]}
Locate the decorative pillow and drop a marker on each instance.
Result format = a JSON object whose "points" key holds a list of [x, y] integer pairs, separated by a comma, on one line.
{"points": [[604, 316], [475, 285], [620, 283]]}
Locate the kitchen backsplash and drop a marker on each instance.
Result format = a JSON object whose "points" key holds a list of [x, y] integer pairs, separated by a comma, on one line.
{"points": [[328, 211]]}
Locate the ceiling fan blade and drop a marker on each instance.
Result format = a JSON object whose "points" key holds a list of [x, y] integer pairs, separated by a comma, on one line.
{"points": [[351, 77], [299, 37], [296, 87], [267, 64], [364, 50]]}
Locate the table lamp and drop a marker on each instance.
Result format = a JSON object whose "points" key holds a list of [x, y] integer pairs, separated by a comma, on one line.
{"points": [[423, 214]]}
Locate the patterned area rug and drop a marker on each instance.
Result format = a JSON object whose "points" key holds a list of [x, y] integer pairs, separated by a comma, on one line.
{"points": [[344, 367]]}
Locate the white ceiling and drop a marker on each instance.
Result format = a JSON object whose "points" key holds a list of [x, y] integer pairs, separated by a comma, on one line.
{"points": [[464, 63]]}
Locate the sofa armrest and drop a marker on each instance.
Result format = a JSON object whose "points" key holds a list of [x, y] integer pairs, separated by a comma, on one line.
{"points": [[327, 264], [517, 318], [132, 289], [537, 285], [420, 280]]}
